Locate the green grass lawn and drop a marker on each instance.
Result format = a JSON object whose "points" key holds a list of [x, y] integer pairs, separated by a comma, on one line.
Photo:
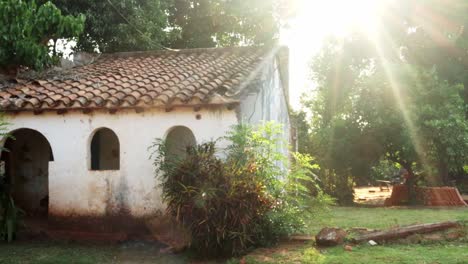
{"points": [[345, 217], [55, 252], [22, 252], [378, 218], [385, 217], [450, 253]]}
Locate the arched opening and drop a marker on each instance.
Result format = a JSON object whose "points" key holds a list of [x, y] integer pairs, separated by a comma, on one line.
{"points": [[177, 141], [105, 150], [26, 160]]}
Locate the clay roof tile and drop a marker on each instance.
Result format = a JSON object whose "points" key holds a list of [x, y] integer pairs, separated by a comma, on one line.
{"points": [[127, 79]]}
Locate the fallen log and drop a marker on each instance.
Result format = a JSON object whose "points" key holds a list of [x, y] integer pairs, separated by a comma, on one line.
{"points": [[403, 232]]}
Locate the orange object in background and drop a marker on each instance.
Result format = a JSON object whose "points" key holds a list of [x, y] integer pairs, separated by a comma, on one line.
{"points": [[430, 196], [399, 196]]}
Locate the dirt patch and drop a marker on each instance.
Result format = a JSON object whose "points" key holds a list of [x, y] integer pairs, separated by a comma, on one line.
{"points": [[105, 224], [85, 228], [166, 229], [282, 249], [144, 252], [373, 196]]}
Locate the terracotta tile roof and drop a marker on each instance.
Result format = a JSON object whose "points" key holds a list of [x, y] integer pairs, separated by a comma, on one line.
{"points": [[142, 79]]}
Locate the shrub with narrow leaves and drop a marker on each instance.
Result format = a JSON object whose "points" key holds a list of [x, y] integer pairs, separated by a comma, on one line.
{"points": [[244, 200], [220, 203]]}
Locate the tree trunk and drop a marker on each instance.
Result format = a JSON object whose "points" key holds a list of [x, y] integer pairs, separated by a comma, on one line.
{"points": [[464, 61], [411, 184], [465, 97], [443, 172], [403, 232], [54, 51]]}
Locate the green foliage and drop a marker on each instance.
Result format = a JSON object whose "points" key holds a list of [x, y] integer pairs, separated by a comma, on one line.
{"points": [[9, 213], [386, 170], [330, 169], [312, 255], [300, 199], [120, 25], [209, 23], [244, 200], [260, 148], [397, 96], [296, 193], [128, 25], [338, 185], [299, 122], [219, 203], [26, 28]]}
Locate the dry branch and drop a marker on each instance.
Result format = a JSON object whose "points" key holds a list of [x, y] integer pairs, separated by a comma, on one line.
{"points": [[403, 232]]}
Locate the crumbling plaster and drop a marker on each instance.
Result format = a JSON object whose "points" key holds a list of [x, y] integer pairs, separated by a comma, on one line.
{"points": [[76, 190]]}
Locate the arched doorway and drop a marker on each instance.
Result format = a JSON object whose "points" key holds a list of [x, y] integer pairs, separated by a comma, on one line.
{"points": [[177, 141], [27, 170]]}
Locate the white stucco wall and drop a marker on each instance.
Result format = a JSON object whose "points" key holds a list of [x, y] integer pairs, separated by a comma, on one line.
{"points": [[267, 102], [76, 190]]}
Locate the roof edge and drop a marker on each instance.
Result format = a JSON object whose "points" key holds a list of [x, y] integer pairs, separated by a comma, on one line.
{"points": [[229, 105], [179, 51]]}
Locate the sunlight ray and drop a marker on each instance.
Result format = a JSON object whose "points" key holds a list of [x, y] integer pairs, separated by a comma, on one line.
{"points": [[253, 74], [334, 95], [401, 101], [436, 27]]}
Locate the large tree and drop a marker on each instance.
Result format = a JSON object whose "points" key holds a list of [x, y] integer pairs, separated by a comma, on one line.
{"points": [[126, 25], [25, 31], [208, 23], [120, 25], [397, 95], [439, 38]]}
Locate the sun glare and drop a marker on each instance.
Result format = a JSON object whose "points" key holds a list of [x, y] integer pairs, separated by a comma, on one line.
{"points": [[316, 19], [338, 16]]}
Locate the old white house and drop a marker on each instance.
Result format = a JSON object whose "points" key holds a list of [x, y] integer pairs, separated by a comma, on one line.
{"points": [[81, 136]]}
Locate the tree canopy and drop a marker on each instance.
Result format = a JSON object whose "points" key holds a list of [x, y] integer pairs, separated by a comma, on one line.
{"points": [[25, 31], [123, 25], [207, 23], [27, 28], [120, 25]]}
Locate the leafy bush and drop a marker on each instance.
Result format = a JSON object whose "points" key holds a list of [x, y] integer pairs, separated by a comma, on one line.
{"points": [[338, 185], [300, 199], [8, 213], [220, 204], [244, 200], [385, 170], [312, 255]]}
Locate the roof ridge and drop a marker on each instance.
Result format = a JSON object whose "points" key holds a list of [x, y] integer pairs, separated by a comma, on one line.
{"points": [[179, 51]]}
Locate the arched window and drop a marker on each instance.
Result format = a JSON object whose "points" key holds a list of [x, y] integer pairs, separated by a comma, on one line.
{"points": [[105, 150], [177, 141]]}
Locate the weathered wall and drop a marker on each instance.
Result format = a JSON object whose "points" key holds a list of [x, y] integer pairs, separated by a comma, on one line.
{"points": [[76, 190], [267, 102]]}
